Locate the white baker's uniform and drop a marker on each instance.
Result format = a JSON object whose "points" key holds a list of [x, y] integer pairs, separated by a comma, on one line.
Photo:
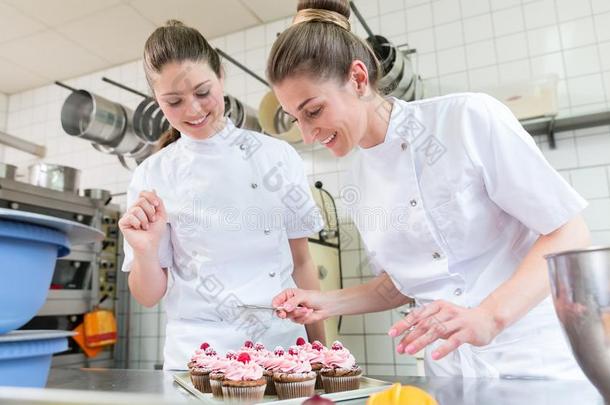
{"points": [[462, 193], [233, 202]]}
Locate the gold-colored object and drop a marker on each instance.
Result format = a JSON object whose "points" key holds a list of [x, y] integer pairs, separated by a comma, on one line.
{"points": [[275, 122], [401, 395]]}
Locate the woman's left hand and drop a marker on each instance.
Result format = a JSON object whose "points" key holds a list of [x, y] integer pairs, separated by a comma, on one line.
{"points": [[444, 320]]}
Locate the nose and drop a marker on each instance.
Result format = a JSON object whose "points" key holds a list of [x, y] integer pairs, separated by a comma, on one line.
{"points": [[308, 133], [195, 107]]}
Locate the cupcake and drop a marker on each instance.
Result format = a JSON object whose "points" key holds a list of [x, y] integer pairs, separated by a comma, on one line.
{"points": [[199, 352], [244, 381], [200, 372], [340, 371], [314, 353], [270, 365], [217, 374], [294, 378]]}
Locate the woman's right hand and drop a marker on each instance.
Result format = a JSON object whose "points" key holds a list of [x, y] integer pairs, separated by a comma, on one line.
{"points": [[144, 223], [301, 306]]}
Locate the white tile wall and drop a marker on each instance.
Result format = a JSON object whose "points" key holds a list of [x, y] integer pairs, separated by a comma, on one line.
{"points": [[462, 45]]}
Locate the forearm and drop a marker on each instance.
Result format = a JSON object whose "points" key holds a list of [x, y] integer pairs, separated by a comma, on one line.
{"points": [[378, 294], [305, 277], [147, 280], [529, 285]]}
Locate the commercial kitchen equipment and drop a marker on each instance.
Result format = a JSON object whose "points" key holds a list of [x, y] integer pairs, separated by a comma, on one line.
{"points": [[580, 286], [87, 273]]}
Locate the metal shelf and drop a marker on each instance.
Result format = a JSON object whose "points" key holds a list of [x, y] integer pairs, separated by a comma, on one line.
{"points": [[550, 125]]}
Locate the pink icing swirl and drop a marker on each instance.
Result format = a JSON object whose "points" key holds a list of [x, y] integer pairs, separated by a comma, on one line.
{"points": [[293, 364], [339, 359], [312, 355], [221, 365], [249, 371], [272, 363]]}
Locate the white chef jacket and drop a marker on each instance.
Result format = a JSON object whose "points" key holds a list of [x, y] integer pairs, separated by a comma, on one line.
{"points": [[233, 202], [449, 205]]}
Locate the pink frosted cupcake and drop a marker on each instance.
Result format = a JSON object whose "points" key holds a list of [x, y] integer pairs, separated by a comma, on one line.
{"points": [[340, 371], [198, 353], [244, 381], [314, 353], [270, 365], [200, 372], [294, 377], [217, 374]]}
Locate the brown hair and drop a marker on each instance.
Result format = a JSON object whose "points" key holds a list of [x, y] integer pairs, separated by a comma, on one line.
{"points": [[176, 42], [319, 44]]}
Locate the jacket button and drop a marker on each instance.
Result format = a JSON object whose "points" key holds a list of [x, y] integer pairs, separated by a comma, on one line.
{"points": [[272, 274], [242, 147], [253, 185], [457, 292], [404, 146], [267, 231], [413, 203], [436, 255]]}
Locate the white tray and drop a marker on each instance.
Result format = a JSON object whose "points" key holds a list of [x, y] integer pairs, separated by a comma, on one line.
{"points": [[368, 386]]}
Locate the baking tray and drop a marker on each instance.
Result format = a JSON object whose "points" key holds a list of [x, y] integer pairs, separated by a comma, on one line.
{"points": [[368, 386]]}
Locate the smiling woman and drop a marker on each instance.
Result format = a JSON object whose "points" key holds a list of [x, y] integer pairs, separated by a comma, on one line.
{"points": [[471, 207], [202, 228]]}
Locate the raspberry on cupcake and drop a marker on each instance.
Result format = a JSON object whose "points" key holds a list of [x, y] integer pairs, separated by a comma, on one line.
{"points": [[200, 372], [244, 381]]}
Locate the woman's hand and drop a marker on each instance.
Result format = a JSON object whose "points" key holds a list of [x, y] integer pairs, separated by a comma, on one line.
{"points": [[301, 306], [144, 223], [444, 320]]}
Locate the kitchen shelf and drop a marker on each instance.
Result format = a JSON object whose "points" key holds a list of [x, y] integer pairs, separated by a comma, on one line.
{"points": [[550, 125]]}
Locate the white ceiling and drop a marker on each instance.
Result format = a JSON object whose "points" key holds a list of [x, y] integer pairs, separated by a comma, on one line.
{"points": [[46, 40]]}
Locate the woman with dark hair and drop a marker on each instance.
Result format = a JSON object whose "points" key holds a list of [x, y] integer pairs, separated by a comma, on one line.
{"points": [[469, 207], [219, 217]]}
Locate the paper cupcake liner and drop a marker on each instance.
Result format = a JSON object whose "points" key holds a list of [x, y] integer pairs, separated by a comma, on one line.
{"points": [[216, 388], [244, 394], [296, 389], [270, 390], [339, 384], [319, 385], [202, 382]]}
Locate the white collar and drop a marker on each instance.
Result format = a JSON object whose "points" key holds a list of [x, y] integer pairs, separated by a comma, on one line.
{"points": [[219, 139]]}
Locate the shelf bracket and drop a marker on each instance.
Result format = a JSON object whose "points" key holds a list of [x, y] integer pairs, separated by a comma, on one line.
{"points": [[550, 134]]}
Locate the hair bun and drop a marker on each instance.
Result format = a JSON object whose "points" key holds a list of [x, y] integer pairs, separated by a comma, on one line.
{"points": [[338, 6], [174, 23]]}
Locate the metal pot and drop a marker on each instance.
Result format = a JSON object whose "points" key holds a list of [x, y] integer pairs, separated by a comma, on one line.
{"points": [[580, 285], [275, 122], [56, 177], [98, 194], [397, 76], [8, 171], [242, 115]]}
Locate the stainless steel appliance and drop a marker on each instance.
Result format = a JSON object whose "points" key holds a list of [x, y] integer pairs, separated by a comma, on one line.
{"points": [[8, 171], [56, 177], [580, 283], [88, 272]]}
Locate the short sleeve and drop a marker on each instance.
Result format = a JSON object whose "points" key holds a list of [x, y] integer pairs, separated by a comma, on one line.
{"points": [[138, 184], [516, 175], [302, 218]]}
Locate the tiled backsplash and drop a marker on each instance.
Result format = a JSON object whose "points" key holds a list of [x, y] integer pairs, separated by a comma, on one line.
{"points": [[463, 45]]}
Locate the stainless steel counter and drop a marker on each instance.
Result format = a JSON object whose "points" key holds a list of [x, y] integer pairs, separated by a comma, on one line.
{"points": [[101, 386]]}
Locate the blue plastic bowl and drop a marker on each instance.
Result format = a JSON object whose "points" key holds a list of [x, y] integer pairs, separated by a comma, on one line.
{"points": [[26, 362], [27, 260]]}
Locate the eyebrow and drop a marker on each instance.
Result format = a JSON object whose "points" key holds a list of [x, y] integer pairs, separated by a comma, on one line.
{"points": [[175, 93], [304, 103]]}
